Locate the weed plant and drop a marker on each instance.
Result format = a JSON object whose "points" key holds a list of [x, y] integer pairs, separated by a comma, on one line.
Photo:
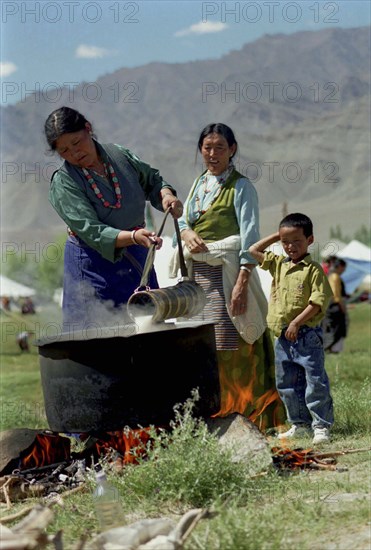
{"points": [[185, 464]]}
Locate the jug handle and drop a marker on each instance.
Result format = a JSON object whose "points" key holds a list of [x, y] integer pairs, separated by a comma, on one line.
{"points": [[151, 257], [183, 267]]}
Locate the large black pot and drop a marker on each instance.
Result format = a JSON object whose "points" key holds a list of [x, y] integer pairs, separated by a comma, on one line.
{"points": [[107, 383]]}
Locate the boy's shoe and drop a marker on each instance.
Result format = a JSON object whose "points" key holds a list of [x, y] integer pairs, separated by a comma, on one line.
{"points": [[321, 435], [295, 431]]}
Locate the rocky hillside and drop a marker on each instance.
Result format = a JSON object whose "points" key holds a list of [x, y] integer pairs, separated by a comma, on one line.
{"points": [[299, 105]]}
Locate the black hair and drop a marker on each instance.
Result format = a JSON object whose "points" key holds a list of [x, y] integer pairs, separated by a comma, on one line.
{"points": [[298, 220], [330, 259], [218, 128], [338, 262], [63, 121]]}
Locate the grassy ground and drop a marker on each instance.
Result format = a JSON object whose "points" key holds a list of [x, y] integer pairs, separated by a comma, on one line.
{"points": [[307, 509]]}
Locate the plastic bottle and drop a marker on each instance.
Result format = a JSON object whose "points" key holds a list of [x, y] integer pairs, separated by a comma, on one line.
{"points": [[107, 503]]}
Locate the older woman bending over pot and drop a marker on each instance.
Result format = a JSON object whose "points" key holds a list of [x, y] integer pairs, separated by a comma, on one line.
{"points": [[100, 191]]}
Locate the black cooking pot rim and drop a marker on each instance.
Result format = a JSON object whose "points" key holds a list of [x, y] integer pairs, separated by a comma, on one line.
{"points": [[123, 331]]}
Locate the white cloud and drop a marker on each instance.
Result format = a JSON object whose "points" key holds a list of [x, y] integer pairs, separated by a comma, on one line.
{"points": [[93, 52], [7, 68], [203, 28]]}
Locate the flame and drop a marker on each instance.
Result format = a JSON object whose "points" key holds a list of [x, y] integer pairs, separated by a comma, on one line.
{"points": [[261, 403], [46, 449], [242, 399], [131, 444], [292, 458]]}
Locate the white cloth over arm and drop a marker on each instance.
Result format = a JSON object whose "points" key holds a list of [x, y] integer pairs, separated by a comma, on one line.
{"points": [[251, 324]]}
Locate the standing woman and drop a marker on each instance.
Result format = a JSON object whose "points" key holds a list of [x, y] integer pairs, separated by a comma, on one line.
{"points": [[335, 324], [221, 221], [100, 191]]}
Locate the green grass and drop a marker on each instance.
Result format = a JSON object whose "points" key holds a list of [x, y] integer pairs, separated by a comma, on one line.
{"points": [[188, 469], [21, 395]]}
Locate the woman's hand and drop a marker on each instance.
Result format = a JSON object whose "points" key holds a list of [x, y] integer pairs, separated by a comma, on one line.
{"points": [[140, 236], [171, 201], [193, 241], [238, 303], [146, 238]]}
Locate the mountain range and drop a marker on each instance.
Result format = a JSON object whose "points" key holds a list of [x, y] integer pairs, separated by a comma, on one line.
{"points": [[298, 104]]}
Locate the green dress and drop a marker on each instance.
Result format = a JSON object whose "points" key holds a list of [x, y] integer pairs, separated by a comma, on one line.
{"points": [[246, 371]]}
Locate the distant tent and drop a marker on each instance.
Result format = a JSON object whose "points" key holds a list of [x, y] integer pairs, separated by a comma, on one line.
{"points": [[356, 251], [358, 271], [12, 289]]}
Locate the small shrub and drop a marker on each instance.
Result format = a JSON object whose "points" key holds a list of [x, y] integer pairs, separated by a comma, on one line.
{"points": [[185, 464]]}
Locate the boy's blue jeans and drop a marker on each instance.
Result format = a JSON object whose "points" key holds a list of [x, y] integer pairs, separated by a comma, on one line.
{"points": [[301, 379]]}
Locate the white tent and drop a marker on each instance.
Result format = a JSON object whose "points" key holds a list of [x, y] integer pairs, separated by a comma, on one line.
{"points": [[12, 289], [356, 250], [358, 271]]}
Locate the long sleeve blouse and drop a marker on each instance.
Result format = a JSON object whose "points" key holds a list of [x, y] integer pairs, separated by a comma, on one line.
{"points": [[76, 202]]}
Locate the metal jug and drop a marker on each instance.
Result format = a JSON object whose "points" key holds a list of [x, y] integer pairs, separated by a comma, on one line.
{"points": [[185, 299]]}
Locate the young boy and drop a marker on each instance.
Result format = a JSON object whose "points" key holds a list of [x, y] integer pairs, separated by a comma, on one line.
{"points": [[299, 298]]}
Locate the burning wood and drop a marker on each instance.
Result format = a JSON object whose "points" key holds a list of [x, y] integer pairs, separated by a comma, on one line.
{"points": [[291, 459], [125, 445], [40, 464], [24, 448]]}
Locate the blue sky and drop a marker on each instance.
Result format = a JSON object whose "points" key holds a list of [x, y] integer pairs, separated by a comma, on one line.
{"points": [[45, 44]]}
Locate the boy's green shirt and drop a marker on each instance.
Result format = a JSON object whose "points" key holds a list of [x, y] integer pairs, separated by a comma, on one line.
{"points": [[294, 286]]}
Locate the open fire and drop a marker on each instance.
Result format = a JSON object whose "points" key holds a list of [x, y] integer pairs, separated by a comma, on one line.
{"points": [[41, 463], [128, 445], [265, 411], [45, 449]]}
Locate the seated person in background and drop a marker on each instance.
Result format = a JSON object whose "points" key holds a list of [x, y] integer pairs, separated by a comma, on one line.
{"points": [[28, 306], [22, 340], [5, 303]]}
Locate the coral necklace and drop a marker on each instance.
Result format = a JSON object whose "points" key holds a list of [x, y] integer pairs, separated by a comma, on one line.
{"points": [[108, 169]]}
